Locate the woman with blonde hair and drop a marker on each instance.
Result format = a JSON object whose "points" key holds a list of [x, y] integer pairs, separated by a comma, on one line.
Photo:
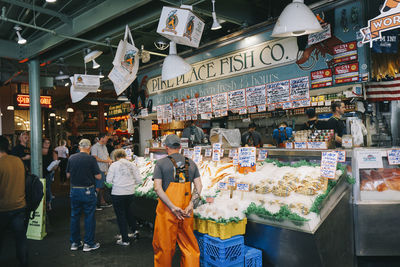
{"points": [[123, 175]]}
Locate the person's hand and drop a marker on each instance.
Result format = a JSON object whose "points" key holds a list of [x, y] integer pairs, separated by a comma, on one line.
{"points": [[27, 157], [189, 210], [109, 161], [178, 212]]}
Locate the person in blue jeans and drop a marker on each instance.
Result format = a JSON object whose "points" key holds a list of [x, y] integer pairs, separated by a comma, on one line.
{"points": [[82, 170]]}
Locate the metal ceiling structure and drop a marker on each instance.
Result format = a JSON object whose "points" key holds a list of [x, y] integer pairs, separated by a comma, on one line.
{"points": [[58, 30]]}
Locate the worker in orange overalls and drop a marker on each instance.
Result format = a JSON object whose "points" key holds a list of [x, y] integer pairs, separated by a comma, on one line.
{"points": [[173, 176]]}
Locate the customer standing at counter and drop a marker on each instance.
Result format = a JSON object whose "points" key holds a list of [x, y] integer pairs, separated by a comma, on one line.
{"points": [[251, 137], [335, 123], [173, 177]]}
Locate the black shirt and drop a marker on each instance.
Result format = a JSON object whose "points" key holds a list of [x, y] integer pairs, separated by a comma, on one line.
{"points": [[314, 125], [46, 160], [21, 151], [337, 125], [82, 167]]}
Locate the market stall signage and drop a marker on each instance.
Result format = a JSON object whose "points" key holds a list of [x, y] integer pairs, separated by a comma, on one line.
{"points": [[345, 52], [300, 145], [237, 99], [278, 92], [243, 187], [178, 109], [204, 104], [262, 154], [220, 102], [191, 107], [232, 182], [369, 159], [23, 101], [119, 109], [329, 164], [393, 156], [216, 156], [232, 152], [389, 19], [247, 156], [323, 35], [223, 186], [341, 155], [208, 152], [299, 88], [317, 145], [266, 55], [346, 73], [256, 96], [321, 78], [147, 151]]}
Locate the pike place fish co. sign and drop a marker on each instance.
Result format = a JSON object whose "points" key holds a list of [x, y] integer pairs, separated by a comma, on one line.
{"points": [[389, 19]]}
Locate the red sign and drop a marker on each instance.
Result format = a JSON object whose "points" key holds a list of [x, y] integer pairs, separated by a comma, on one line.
{"points": [[321, 78], [23, 101], [345, 52], [346, 73]]}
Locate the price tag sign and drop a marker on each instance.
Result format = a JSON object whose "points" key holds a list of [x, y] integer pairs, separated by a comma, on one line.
{"points": [[232, 182], [223, 186], [341, 155], [289, 145], [159, 121], [317, 145], [328, 164], [216, 156], [262, 108], [300, 145], [247, 156], [147, 151], [208, 152], [232, 152], [262, 154], [369, 159], [243, 187], [186, 153], [393, 156], [235, 161], [222, 152]]}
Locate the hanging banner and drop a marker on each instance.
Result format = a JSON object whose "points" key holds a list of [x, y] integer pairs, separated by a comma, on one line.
{"points": [[256, 96], [86, 83], [220, 102], [237, 99], [204, 104], [346, 73], [321, 78]]}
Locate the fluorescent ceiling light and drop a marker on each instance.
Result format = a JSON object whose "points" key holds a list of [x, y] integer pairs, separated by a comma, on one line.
{"points": [[70, 110], [174, 65], [10, 107], [295, 20], [51, 1], [94, 103]]}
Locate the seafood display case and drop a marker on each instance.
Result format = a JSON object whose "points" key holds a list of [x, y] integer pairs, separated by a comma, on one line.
{"points": [[376, 203], [329, 242]]}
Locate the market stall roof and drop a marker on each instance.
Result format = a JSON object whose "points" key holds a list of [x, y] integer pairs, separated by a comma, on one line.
{"points": [[103, 22]]}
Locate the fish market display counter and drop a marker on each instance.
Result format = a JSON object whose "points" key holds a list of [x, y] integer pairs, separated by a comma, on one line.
{"points": [[376, 202]]}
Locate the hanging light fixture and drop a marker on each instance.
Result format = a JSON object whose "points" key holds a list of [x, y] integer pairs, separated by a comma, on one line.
{"points": [[52, 114], [21, 40], [123, 98], [174, 65], [66, 83], [295, 20], [61, 76], [94, 103], [215, 25], [101, 76], [51, 1], [70, 110], [10, 107], [105, 114], [91, 56]]}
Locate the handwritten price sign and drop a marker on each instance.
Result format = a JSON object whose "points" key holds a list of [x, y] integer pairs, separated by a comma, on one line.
{"points": [[329, 164]]}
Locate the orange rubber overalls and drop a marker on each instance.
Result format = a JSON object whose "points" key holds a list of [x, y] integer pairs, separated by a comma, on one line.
{"points": [[168, 229]]}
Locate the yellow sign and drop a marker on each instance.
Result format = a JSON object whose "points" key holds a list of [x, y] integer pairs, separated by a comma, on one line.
{"points": [[37, 226]]}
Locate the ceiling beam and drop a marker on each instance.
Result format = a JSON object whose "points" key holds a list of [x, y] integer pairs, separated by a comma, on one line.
{"points": [[89, 20], [64, 18]]}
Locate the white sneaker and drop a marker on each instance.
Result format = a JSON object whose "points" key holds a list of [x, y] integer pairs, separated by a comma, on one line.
{"points": [[130, 235], [87, 248], [76, 246], [121, 243]]}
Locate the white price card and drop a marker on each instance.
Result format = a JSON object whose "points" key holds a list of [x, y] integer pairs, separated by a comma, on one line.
{"points": [[393, 156], [369, 159], [216, 156], [232, 182], [247, 156], [208, 152], [186, 153], [262, 154], [223, 186], [328, 164], [317, 145], [289, 145], [243, 187], [235, 160], [300, 145], [147, 151], [232, 152], [341, 155]]}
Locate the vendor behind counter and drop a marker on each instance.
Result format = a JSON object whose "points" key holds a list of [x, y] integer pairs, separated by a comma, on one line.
{"points": [[282, 134], [313, 123], [335, 122]]}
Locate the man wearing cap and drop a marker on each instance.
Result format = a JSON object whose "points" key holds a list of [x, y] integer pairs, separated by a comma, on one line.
{"points": [[82, 170], [252, 137], [173, 176]]}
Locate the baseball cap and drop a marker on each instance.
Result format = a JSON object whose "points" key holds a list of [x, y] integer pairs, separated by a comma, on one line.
{"points": [[84, 143], [173, 141]]}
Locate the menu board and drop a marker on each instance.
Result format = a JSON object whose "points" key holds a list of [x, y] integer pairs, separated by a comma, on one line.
{"points": [[328, 164], [256, 96], [160, 112], [321, 78], [345, 52], [204, 104], [299, 88], [191, 107], [346, 73], [178, 109], [301, 103], [220, 102], [237, 99], [278, 92], [167, 114]]}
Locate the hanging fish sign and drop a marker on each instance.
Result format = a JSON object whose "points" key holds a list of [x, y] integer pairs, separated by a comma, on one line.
{"points": [[171, 22], [189, 28], [389, 19]]}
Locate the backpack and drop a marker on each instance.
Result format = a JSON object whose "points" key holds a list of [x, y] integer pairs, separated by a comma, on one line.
{"points": [[33, 194]]}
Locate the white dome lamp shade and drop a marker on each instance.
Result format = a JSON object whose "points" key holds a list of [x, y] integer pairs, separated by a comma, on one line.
{"points": [[295, 20], [174, 66], [91, 56]]}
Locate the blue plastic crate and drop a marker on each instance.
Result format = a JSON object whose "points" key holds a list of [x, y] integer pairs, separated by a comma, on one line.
{"points": [[209, 264], [252, 257], [227, 252], [200, 240]]}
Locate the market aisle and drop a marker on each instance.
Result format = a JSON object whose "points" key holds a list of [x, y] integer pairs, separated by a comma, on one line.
{"points": [[54, 250]]}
